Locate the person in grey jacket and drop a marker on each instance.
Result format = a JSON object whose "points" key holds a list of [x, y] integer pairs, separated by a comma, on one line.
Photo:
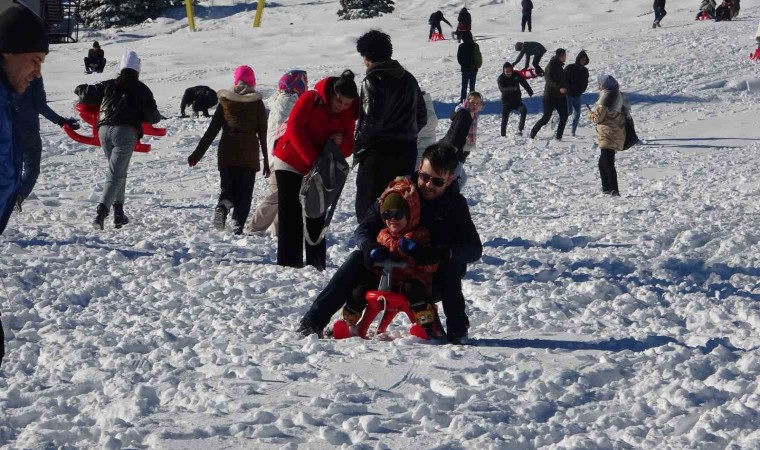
{"points": [[30, 106], [529, 49]]}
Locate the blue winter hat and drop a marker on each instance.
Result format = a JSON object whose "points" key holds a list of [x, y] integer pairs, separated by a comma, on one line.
{"points": [[608, 82]]}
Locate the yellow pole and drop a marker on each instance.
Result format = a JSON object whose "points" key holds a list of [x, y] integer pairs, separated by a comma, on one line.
{"points": [[259, 12], [190, 15]]}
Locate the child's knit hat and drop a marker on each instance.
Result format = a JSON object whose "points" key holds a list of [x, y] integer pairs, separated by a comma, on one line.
{"points": [[294, 81], [395, 201]]}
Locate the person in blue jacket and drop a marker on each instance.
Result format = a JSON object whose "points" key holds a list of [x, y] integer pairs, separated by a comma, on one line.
{"points": [[23, 47], [30, 106]]}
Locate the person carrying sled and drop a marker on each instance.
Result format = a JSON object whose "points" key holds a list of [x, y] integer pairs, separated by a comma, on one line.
{"points": [[23, 48], [527, 15], [708, 7], [402, 235], [659, 12], [200, 99], [454, 244], [328, 112], [125, 104], [511, 97], [555, 95], [576, 76], [609, 114], [291, 85], [530, 49], [470, 60], [95, 61], [242, 119], [435, 23], [463, 132], [464, 24], [30, 106]]}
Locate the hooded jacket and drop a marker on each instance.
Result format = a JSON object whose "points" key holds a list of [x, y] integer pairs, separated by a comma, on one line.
{"points": [[464, 20], [436, 18], [310, 125], [609, 114], [128, 102], [555, 79], [392, 106], [420, 235], [469, 56], [242, 118], [527, 6], [510, 88], [577, 76], [11, 153], [280, 105]]}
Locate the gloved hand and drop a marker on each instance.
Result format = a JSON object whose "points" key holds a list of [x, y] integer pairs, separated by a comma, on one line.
{"points": [[266, 171], [366, 249], [192, 160], [379, 254], [71, 122], [424, 256]]}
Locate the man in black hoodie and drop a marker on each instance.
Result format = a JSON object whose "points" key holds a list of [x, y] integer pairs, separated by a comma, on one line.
{"points": [[577, 82], [393, 112], [435, 23], [527, 13], [470, 60], [555, 93], [659, 12], [511, 96], [529, 49]]}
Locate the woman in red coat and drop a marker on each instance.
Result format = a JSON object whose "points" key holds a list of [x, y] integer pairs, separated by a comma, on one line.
{"points": [[327, 112]]}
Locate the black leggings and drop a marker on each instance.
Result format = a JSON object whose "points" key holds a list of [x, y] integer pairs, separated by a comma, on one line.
{"points": [[290, 239], [433, 28], [608, 173]]}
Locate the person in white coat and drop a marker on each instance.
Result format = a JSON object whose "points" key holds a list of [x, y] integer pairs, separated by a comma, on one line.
{"points": [[426, 136], [292, 84]]}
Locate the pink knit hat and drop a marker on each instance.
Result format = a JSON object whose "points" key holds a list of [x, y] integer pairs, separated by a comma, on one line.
{"points": [[245, 74]]}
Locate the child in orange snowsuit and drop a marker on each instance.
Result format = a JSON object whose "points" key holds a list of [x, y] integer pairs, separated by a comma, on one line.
{"points": [[400, 210]]}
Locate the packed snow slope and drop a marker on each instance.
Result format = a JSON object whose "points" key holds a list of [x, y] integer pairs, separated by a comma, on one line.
{"points": [[597, 323]]}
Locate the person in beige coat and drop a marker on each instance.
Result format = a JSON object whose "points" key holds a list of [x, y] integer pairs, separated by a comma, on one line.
{"points": [[609, 114]]}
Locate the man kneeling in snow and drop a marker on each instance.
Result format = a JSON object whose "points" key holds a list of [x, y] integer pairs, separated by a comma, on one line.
{"points": [[455, 243]]}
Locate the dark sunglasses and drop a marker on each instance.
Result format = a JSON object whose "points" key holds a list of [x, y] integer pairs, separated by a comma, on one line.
{"points": [[437, 182], [393, 214]]}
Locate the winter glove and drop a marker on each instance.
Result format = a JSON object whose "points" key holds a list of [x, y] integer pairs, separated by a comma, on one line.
{"points": [[192, 160], [366, 249], [379, 254], [424, 256], [267, 172], [71, 122]]}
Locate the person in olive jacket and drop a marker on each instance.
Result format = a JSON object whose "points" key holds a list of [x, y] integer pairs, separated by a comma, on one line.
{"points": [[125, 104], [393, 112], [577, 82], [555, 95], [243, 121], [470, 60], [511, 97]]}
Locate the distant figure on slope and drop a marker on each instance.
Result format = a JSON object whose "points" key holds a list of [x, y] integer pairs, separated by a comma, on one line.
{"points": [[723, 12], [200, 98], [125, 104], [609, 114], [554, 95], [659, 12], [735, 7], [291, 85], [529, 49], [470, 60], [435, 23], [576, 76], [463, 132], [511, 97], [527, 15], [464, 24], [95, 61], [708, 7], [242, 119]]}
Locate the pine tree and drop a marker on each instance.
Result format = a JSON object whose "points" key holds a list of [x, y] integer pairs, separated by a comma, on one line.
{"points": [[109, 13], [364, 9]]}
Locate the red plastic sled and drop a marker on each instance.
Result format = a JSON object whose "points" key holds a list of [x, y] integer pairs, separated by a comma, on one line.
{"points": [[437, 37], [528, 73], [704, 16], [755, 56], [89, 114]]}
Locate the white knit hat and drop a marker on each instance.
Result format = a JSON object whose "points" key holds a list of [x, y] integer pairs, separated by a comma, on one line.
{"points": [[130, 60]]}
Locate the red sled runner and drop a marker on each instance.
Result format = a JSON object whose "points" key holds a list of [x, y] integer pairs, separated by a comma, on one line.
{"points": [[89, 114], [755, 56], [436, 37], [389, 303], [704, 16], [528, 73]]}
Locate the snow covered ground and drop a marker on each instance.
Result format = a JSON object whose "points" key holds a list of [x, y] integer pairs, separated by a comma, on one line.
{"points": [[596, 322]]}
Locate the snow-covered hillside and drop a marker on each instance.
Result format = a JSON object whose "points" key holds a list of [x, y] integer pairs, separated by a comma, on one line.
{"points": [[597, 323]]}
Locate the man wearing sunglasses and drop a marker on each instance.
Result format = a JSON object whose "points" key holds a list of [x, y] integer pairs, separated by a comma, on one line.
{"points": [[455, 243]]}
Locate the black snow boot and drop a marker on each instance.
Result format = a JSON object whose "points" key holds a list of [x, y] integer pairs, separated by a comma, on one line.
{"points": [[119, 218], [220, 217], [100, 218]]}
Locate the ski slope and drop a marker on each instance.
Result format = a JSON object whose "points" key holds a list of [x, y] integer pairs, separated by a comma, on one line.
{"points": [[597, 323]]}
